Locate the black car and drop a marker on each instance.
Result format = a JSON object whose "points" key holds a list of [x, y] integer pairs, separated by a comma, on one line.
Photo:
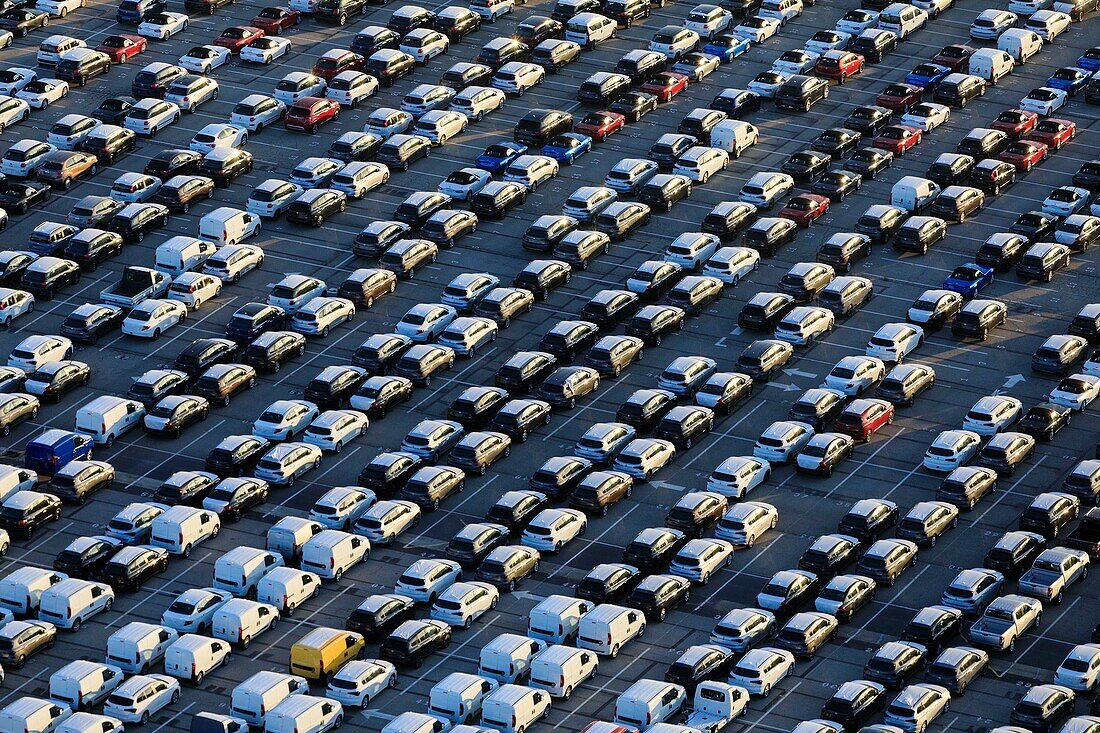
{"points": [[90, 250], [235, 455], [386, 473], [685, 425], [537, 28], [12, 265], [379, 394], [525, 370], [1043, 421], [414, 641], [338, 11], [515, 509], [868, 120], [112, 110], [699, 664], [837, 184], [204, 353], [634, 105], [764, 311], [933, 627], [1037, 226], [517, 418], [869, 162], [644, 408], [736, 105], [836, 142], [25, 519], [658, 594], [381, 351], [805, 166], [474, 541], [854, 703], [608, 308], [355, 147], [569, 338], [235, 499], [173, 162], [559, 475], [269, 351], [543, 276], [869, 519], [608, 583], [88, 322], [380, 614], [44, 284], [130, 567], [312, 210], [653, 548], [669, 148], [148, 218], [253, 319], [374, 38], [476, 406], [17, 197], [653, 322], [86, 556], [1043, 708], [1014, 553], [52, 381], [894, 663], [334, 386]]}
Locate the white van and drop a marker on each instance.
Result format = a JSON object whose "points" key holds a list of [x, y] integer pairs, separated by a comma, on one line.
{"points": [[107, 417], [1020, 43], [289, 535], [137, 646], [13, 479], [304, 714], [607, 627], [191, 657], [287, 588], [588, 29], [331, 553], [561, 669], [901, 19], [514, 708], [182, 254], [71, 602], [262, 692], [556, 619], [409, 722], [734, 136], [458, 697], [180, 529], [32, 715], [240, 621], [914, 194], [21, 589], [226, 225], [507, 658], [648, 702], [93, 723], [991, 64], [82, 684], [239, 570]]}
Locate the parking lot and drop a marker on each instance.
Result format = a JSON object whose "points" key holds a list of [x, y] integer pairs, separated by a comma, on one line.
{"points": [[889, 466]]}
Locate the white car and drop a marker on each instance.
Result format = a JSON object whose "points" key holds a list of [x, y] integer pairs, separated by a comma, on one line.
{"points": [[15, 78], [674, 42], [796, 61], [757, 29], [283, 419], [385, 122], [265, 50], [298, 84], [916, 707], [383, 522], [12, 111], [708, 20], [135, 188], [1076, 391], [731, 264], [951, 449], [1049, 24], [320, 315], [1080, 670], [1044, 100], [992, 414], [766, 83], [194, 288], [315, 172], [892, 342], [338, 508], [781, 440], [41, 93], [531, 170], [193, 610], [357, 179], [162, 26], [333, 429], [853, 375], [141, 697], [271, 197], [257, 111], [643, 457], [59, 8], [152, 317], [14, 303], [285, 462], [151, 115], [1066, 201], [691, 249], [855, 22], [463, 183], [805, 324], [476, 101], [440, 125], [218, 135], [233, 261], [516, 77], [69, 131], [424, 44], [926, 116], [360, 681], [466, 334], [552, 529], [294, 291], [463, 603], [701, 558], [349, 88], [425, 580], [204, 59], [762, 669], [738, 475], [425, 321], [824, 41]]}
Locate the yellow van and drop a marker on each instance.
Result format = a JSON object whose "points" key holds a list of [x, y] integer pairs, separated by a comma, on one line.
{"points": [[322, 652]]}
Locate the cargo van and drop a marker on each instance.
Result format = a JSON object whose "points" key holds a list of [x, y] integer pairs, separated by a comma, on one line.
{"points": [[458, 697], [226, 225], [137, 646], [32, 715], [331, 553], [589, 29], [514, 708], [68, 604], [13, 479], [507, 658], [240, 621], [181, 254], [734, 136], [107, 417], [287, 588], [648, 702], [991, 64], [1020, 44], [322, 652], [914, 194], [304, 714], [557, 619], [239, 570], [262, 692], [561, 669], [82, 684], [191, 657], [289, 535], [180, 529], [200, 723], [607, 627], [21, 590]]}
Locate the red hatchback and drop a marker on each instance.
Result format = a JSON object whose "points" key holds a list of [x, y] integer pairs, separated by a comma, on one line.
{"points": [[1054, 132], [897, 138], [274, 21], [805, 208], [899, 97], [955, 57], [1015, 122], [238, 37], [1024, 154], [337, 61], [600, 125], [309, 113], [839, 65], [665, 85], [863, 418], [122, 47]]}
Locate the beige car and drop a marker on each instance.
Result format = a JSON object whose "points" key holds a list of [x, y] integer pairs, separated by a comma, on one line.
{"points": [[21, 640], [16, 407]]}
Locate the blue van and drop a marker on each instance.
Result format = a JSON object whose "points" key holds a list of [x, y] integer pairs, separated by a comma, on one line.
{"points": [[51, 450]]}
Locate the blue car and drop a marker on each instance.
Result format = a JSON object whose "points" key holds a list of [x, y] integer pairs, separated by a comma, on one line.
{"points": [[726, 47], [926, 76], [499, 156], [968, 280], [568, 147], [1090, 60], [1069, 79]]}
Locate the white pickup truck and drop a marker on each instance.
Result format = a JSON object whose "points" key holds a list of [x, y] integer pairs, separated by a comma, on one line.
{"points": [[715, 706]]}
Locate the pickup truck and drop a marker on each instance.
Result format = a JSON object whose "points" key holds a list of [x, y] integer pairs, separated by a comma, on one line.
{"points": [[715, 706], [1053, 571], [1005, 620], [137, 284], [1087, 535]]}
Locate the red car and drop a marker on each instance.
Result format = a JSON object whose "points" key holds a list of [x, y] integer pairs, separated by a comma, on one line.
{"points": [[839, 65], [309, 113], [122, 47], [238, 37], [897, 138], [600, 125], [863, 418], [1015, 123], [274, 21], [1054, 132], [337, 61], [955, 57], [899, 97], [1024, 154], [805, 208], [666, 85]]}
